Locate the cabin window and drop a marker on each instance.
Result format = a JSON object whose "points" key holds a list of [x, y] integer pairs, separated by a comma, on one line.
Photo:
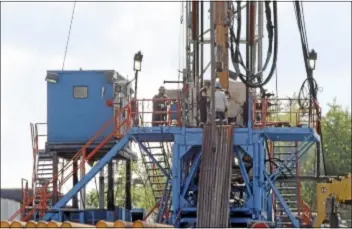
{"points": [[80, 92]]}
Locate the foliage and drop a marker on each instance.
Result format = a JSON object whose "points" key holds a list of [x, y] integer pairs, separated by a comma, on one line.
{"points": [[142, 195], [336, 128]]}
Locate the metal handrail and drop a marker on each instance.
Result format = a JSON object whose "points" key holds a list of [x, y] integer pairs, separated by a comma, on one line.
{"points": [[75, 158]]}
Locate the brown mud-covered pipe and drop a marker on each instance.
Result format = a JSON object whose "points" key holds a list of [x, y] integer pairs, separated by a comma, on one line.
{"points": [[68, 224], [5, 224], [42, 224], [31, 224], [54, 224], [142, 224], [18, 224], [104, 224], [122, 224]]}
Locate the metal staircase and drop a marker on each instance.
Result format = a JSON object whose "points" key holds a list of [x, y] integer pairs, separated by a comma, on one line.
{"points": [[156, 178], [42, 179], [288, 184], [44, 175]]}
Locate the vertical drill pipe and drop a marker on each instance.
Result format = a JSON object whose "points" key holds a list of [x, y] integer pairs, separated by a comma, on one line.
{"points": [[253, 46], [110, 196], [246, 107], [221, 12], [186, 91], [260, 36], [215, 178], [195, 37], [128, 185], [213, 74], [201, 43]]}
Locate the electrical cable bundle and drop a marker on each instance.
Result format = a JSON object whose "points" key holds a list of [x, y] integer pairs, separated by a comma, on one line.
{"points": [[236, 56], [312, 84]]}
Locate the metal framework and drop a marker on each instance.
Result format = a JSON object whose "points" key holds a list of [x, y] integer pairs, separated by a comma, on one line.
{"points": [[253, 192], [256, 193]]}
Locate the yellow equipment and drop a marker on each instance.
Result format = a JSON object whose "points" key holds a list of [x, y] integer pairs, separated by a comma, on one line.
{"points": [[330, 193]]}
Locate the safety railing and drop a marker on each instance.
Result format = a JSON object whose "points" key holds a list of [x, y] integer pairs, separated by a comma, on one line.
{"points": [[282, 112], [81, 154], [307, 217], [156, 112]]}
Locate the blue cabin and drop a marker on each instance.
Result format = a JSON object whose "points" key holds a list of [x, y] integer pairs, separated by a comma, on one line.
{"points": [[77, 104]]}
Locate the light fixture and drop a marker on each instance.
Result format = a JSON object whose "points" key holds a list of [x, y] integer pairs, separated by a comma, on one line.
{"points": [[137, 65], [51, 77], [312, 58]]}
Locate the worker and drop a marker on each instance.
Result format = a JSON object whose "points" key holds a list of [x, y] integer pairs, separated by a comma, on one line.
{"points": [[203, 102], [234, 110], [159, 107], [221, 103]]}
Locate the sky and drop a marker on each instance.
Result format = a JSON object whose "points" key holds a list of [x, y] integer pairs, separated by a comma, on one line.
{"points": [[106, 36]]}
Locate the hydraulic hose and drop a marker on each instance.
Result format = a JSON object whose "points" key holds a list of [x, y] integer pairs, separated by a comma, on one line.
{"points": [[237, 57]]}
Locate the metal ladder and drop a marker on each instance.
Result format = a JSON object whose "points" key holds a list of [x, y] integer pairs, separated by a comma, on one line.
{"points": [[287, 188], [44, 175], [156, 178]]}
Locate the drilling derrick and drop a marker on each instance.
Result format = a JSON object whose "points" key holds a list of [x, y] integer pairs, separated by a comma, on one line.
{"points": [[202, 171]]}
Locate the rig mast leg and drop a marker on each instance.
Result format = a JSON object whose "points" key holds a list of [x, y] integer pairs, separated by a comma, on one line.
{"points": [[75, 181], [215, 178], [128, 185], [110, 197], [55, 171], [101, 189]]}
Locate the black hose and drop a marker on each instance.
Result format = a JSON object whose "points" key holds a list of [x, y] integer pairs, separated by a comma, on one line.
{"points": [[237, 57]]}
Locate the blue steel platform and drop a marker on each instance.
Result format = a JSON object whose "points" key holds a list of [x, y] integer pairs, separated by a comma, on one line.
{"points": [[187, 146]]}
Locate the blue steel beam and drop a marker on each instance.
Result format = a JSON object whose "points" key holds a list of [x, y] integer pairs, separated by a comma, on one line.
{"points": [[243, 172], [241, 136], [163, 203], [144, 148], [191, 174], [99, 166]]}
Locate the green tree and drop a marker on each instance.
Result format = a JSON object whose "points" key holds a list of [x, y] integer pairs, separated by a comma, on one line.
{"points": [[336, 128], [142, 195]]}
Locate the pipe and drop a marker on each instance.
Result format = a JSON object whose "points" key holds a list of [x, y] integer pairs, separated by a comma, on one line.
{"points": [[101, 189], [18, 224], [104, 224], [201, 43], [110, 194], [68, 224], [75, 181], [54, 224], [5, 224], [128, 193], [31, 224], [42, 224], [122, 224], [143, 224]]}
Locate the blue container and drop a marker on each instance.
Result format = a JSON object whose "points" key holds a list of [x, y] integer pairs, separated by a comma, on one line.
{"points": [[77, 104]]}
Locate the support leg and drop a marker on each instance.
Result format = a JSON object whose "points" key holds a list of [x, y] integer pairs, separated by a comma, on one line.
{"points": [[128, 185], [55, 172], [110, 197], [75, 181], [101, 189]]}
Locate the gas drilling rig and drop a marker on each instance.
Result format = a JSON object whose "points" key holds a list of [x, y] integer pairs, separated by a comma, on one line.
{"points": [[216, 175]]}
